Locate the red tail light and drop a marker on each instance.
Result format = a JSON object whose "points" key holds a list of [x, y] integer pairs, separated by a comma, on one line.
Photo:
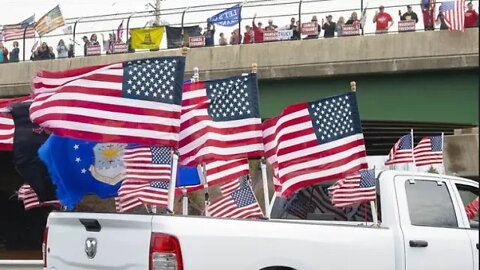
{"points": [[165, 252], [44, 247]]}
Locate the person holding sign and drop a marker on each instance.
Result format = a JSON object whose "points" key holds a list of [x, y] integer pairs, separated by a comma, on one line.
{"points": [[314, 20], [353, 20], [409, 15], [383, 20]]}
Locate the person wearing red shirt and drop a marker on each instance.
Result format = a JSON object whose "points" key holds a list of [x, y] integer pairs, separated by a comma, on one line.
{"points": [[384, 20], [257, 31], [248, 36], [471, 16]]}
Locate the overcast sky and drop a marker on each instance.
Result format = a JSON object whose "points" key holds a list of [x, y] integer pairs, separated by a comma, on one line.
{"points": [[14, 11]]}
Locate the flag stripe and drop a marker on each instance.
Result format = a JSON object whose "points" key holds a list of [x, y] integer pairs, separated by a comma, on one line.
{"points": [[218, 172], [30, 198]]}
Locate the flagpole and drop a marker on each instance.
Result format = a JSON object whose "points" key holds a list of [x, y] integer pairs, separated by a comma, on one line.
{"points": [[413, 153], [193, 79], [266, 195], [443, 145], [205, 189], [374, 213], [173, 181], [184, 202]]}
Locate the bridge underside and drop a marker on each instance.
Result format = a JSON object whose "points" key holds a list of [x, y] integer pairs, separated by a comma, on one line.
{"points": [[422, 97]]}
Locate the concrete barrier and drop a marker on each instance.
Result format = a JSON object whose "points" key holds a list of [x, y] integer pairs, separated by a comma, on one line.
{"points": [[403, 52], [461, 153]]}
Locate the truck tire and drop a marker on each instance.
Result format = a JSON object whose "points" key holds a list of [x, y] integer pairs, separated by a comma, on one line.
{"points": [[277, 268]]}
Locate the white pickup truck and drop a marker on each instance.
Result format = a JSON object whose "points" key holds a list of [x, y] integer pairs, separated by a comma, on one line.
{"points": [[423, 225]]}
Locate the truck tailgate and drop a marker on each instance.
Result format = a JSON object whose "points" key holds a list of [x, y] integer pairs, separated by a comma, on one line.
{"points": [[98, 241]]}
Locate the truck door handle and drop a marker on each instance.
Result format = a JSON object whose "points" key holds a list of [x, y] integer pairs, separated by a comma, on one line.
{"points": [[91, 225], [418, 243], [477, 245]]}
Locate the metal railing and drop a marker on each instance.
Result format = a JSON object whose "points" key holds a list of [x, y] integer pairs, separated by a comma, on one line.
{"points": [[179, 15]]}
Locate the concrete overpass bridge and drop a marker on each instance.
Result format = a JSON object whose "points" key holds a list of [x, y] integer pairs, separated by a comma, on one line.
{"points": [[422, 80], [427, 80]]}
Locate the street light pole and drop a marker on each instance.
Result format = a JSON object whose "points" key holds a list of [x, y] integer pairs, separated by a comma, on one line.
{"points": [[157, 12]]}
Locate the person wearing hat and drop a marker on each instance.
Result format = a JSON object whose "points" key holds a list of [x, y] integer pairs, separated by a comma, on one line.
{"points": [[409, 15], [329, 27], [383, 20], [471, 16], [271, 26]]}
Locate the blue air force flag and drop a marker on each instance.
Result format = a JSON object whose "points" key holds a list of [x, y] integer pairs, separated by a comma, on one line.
{"points": [[79, 167]]}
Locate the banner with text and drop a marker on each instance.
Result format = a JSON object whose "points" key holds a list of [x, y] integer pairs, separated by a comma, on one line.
{"points": [[406, 26], [198, 41], [147, 38], [350, 30], [228, 17], [94, 50], [120, 48], [310, 28], [277, 35]]}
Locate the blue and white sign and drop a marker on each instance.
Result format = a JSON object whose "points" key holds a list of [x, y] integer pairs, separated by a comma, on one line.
{"points": [[228, 17]]}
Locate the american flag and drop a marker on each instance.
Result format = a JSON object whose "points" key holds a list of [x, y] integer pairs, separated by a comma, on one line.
{"points": [[119, 34], [235, 184], [318, 141], [15, 31], [402, 151], [220, 120], [147, 163], [30, 198], [321, 201], [7, 127], [238, 204], [429, 151], [269, 128], [218, 172], [454, 12], [50, 21], [131, 102], [356, 188], [300, 206], [472, 209], [133, 193]]}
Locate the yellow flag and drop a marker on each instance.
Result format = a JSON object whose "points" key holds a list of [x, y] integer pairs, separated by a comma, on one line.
{"points": [[147, 38]]}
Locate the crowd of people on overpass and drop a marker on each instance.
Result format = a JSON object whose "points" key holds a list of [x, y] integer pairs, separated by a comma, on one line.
{"points": [[255, 33]]}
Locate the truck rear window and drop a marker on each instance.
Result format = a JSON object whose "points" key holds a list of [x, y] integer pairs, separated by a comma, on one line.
{"points": [[313, 203]]}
